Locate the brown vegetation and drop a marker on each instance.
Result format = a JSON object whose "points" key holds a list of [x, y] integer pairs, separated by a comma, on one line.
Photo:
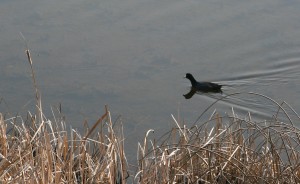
{"points": [[224, 149]]}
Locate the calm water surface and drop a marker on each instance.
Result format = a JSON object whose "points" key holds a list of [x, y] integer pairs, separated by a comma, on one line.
{"points": [[133, 54]]}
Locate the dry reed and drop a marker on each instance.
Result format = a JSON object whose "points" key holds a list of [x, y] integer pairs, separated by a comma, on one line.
{"points": [[43, 151], [225, 149]]}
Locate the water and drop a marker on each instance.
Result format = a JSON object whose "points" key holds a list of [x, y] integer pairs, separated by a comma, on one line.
{"points": [[133, 54]]}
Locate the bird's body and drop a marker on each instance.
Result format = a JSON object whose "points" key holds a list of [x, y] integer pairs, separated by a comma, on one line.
{"points": [[205, 87]]}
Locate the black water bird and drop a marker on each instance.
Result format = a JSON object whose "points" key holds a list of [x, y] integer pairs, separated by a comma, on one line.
{"points": [[204, 87]]}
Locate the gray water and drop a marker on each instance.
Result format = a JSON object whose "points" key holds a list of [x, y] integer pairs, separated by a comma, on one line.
{"points": [[133, 54]]}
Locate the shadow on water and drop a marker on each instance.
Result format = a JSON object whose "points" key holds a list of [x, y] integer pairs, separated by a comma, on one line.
{"points": [[194, 91]]}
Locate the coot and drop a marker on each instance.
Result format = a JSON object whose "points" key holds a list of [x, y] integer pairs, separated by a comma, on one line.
{"points": [[205, 87]]}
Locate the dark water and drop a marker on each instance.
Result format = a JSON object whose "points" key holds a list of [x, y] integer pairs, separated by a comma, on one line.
{"points": [[133, 54]]}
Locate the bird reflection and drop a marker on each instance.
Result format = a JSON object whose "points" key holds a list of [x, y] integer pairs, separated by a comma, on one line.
{"points": [[190, 94], [202, 87]]}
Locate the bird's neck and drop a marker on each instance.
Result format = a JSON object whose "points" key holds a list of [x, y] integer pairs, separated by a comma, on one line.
{"points": [[193, 81]]}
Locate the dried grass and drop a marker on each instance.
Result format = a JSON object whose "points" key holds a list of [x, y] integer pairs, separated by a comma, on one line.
{"points": [[43, 151], [225, 149]]}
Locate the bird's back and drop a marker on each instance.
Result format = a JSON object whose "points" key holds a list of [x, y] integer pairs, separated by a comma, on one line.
{"points": [[207, 87]]}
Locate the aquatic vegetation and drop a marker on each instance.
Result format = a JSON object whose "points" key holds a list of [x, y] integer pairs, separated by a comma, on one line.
{"points": [[46, 152], [222, 149], [38, 150]]}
